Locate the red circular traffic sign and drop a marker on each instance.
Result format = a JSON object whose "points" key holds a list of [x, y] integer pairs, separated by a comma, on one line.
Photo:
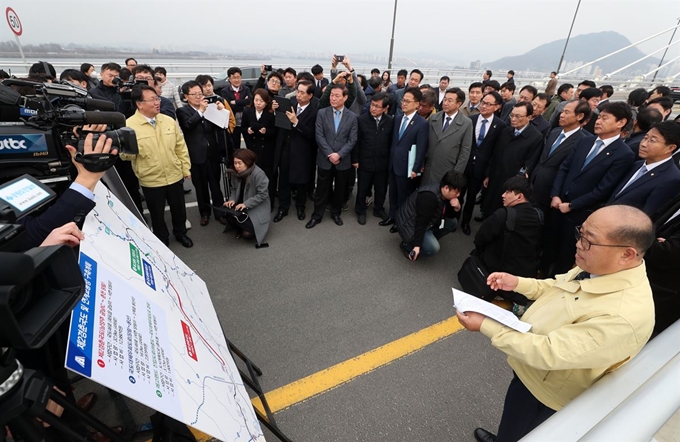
{"points": [[13, 21]]}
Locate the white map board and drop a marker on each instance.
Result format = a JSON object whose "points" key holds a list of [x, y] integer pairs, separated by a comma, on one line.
{"points": [[146, 327]]}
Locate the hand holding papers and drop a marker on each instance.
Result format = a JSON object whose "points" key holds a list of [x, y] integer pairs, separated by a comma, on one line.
{"points": [[217, 117], [468, 303]]}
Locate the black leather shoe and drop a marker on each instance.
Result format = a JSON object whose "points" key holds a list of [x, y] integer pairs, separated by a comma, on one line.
{"points": [[394, 229], [479, 218], [205, 220], [361, 219], [379, 214], [337, 220], [279, 216], [481, 435], [312, 222], [185, 241], [222, 220], [387, 222], [465, 228], [301, 214]]}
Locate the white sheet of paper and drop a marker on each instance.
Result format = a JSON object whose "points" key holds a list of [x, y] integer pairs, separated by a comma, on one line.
{"points": [[217, 117], [468, 303]]}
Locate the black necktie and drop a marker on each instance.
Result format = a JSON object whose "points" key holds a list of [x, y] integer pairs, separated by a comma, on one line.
{"points": [[581, 276]]}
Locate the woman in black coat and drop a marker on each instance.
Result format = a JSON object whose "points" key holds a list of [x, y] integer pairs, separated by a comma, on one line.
{"points": [[259, 133]]}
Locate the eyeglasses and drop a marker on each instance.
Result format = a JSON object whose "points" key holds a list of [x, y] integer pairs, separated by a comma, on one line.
{"points": [[377, 105], [486, 103], [153, 100], [274, 81], [517, 117], [653, 140], [585, 242]]}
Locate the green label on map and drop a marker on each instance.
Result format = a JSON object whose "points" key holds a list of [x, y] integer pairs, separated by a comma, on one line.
{"points": [[135, 260]]}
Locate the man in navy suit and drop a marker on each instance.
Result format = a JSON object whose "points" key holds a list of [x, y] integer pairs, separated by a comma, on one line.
{"points": [[486, 127], [585, 181], [410, 129], [336, 135], [653, 181], [320, 81]]}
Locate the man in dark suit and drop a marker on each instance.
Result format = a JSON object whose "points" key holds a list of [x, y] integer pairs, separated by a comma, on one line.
{"points": [[372, 155], [540, 103], [663, 265], [336, 135], [320, 82], [205, 141], [449, 139], [238, 96], [558, 145], [517, 148], [410, 129], [486, 127], [294, 149], [653, 181], [585, 181], [414, 80], [646, 118]]}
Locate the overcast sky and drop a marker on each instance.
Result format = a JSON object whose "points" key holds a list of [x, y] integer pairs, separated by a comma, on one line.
{"points": [[461, 30]]}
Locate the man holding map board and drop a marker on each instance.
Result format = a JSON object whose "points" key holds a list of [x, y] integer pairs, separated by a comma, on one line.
{"points": [[584, 324]]}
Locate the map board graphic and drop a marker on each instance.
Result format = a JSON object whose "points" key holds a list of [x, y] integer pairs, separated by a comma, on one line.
{"points": [[146, 327]]}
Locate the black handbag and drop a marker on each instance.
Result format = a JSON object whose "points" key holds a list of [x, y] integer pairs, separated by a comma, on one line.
{"points": [[473, 274], [240, 215]]}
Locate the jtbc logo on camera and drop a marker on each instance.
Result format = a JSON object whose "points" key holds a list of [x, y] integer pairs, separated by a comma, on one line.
{"points": [[22, 143]]}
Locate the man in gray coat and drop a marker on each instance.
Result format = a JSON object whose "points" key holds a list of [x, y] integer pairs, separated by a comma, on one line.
{"points": [[450, 139], [336, 135]]}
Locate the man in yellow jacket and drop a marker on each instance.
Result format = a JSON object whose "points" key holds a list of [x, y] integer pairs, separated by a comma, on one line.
{"points": [[584, 324], [161, 165]]}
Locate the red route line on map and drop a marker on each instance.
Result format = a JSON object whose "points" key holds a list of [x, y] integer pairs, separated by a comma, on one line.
{"points": [[179, 299]]}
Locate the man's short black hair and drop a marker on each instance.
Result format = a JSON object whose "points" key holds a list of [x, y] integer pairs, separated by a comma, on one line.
{"points": [[125, 74], [72, 74], [419, 72], [374, 82], [489, 73], [137, 93], [204, 79], [45, 68], [445, 77], [290, 70], [670, 131], [381, 97], [665, 102], [510, 86], [186, 87], [275, 75], [375, 71], [543, 97], [142, 68], [416, 92], [553, 72], [85, 67], [308, 84], [160, 70], [128, 59], [607, 89], [305, 76], [647, 118], [111, 66], [402, 73], [496, 96], [453, 180], [564, 88], [476, 84], [532, 90], [234, 70], [582, 107], [618, 109], [588, 83], [511, 72], [518, 184], [527, 105], [591, 92], [430, 98], [317, 69], [460, 95], [342, 88], [638, 97], [493, 84], [665, 91]]}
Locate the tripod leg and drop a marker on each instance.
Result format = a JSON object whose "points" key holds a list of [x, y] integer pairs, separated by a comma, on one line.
{"points": [[273, 428], [80, 414], [244, 358]]}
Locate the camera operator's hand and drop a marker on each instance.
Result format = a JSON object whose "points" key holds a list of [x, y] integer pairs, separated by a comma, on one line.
{"points": [[203, 106], [85, 177], [334, 62], [89, 128], [68, 234], [346, 62]]}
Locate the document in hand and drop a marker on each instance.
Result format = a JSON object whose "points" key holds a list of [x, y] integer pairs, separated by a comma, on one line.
{"points": [[468, 303], [217, 117], [411, 161]]}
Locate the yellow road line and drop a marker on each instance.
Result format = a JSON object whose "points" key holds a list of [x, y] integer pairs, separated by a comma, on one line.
{"points": [[332, 377]]}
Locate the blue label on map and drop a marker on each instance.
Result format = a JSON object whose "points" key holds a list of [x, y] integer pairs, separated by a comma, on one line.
{"points": [[148, 275], [28, 143], [79, 355]]}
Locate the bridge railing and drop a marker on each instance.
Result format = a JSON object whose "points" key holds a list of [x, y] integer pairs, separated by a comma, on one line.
{"points": [[630, 404]]}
